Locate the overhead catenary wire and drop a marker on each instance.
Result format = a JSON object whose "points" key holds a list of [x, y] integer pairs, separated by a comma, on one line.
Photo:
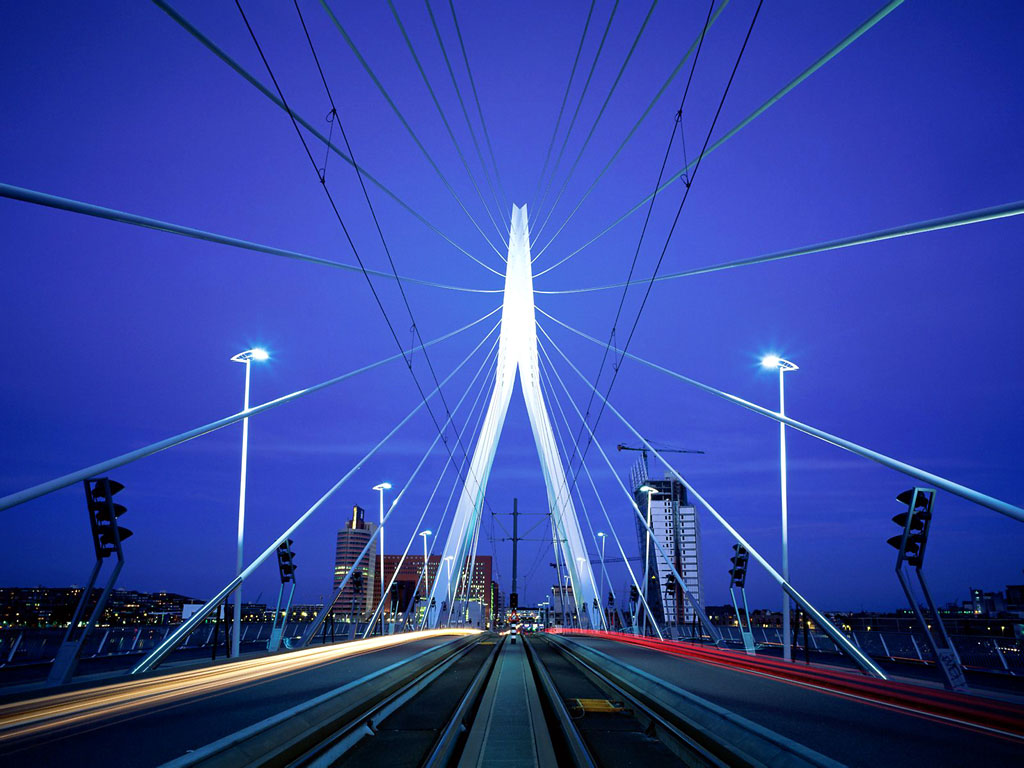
{"points": [[818, 64], [503, 215], [405, 123], [597, 119], [56, 202], [643, 116], [444, 120], [675, 221], [248, 77]]}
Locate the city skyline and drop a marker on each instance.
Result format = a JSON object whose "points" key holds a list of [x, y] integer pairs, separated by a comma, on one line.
{"points": [[120, 336]]}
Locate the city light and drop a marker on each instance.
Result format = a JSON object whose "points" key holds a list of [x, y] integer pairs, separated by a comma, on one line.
{"points": [[60, 711]]}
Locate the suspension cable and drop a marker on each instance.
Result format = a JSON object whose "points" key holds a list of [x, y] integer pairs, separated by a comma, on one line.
{"points": [[103, 467], [579, 104], [837, 637], [565, 98], [672, 229], [642, 591], [1010, 510], [35, 197], [824, 59], [174, 639], [465, 114], [916, 228], [447, 126], [405, 124], [597, 120], [386, 590], [479, 109], [351, 243], [223, 56], [693, 46]]}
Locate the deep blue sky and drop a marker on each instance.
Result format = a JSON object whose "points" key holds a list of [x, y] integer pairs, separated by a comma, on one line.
{"points": [[115, 336]]}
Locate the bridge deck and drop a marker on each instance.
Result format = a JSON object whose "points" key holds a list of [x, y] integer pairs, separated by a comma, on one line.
{"points": [[509, 729]]}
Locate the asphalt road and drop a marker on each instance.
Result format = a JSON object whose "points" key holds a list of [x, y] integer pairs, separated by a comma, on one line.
{"points": [[153, 735], [853, 732]]}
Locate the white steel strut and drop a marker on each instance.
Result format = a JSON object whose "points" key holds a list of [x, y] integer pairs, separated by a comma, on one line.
{"points": [[517, 350]]}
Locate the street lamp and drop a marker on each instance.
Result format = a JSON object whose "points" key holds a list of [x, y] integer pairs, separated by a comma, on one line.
{"points": [[774, 361], [242, 357], [426, 572], [647, 552], [381, 487], [601, 535]]}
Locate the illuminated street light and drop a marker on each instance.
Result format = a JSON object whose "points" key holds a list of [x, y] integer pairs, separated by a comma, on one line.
{"points": [[774, 361], [381, 487], [243, 357]]}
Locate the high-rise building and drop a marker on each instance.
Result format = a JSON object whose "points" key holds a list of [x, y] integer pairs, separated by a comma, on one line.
{"points": [[357, 599], [676, 526]]}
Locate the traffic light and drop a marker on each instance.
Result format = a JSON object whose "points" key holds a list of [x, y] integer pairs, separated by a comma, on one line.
{"points": [[286, 562], [670, 584], [634, 594], [513, 600], [738, 572], [103, 513], [915, 523], [357, 582], [611, 600]]}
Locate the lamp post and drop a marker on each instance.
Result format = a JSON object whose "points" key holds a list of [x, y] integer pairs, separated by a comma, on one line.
{"points": [[774, 361], [426, 574], [601, 535], [647, 550], [242, 357], [381, 487]]}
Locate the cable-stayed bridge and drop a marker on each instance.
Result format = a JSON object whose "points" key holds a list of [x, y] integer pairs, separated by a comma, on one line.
{"points": [[424, 688]]}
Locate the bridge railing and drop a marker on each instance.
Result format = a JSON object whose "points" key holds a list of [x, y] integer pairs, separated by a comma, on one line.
{"points": [[993, 653]]}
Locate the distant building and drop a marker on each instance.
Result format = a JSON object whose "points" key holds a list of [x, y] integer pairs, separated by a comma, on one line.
{"points": [[410, 585], [676, 527], [54, 606], [357, 600]]}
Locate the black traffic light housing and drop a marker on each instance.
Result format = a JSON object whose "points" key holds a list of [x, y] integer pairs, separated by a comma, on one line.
{"points": [[103, 513], [634, 593], [916, 522], [286, 562], [738, 572]]}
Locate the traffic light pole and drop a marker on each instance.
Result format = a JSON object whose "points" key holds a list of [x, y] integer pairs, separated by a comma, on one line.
{"points": [[103, 514], [916, 522]]}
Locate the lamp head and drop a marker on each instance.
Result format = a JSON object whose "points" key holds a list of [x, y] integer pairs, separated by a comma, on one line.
{"points": [[648, 489], [249, 355], [382, 487], [424, 534], [601, 534], [774, 361]]}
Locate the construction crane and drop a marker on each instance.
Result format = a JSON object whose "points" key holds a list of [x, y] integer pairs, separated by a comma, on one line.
{"points": [[643, 450]]}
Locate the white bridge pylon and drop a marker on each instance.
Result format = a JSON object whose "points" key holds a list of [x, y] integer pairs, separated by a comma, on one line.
{"points": [[517, 350]]}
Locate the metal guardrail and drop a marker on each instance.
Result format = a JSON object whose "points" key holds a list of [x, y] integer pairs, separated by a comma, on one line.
{"points": [[997, 654]]}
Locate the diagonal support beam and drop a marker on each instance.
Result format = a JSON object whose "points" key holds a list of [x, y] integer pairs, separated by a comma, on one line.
{"points": [[517, 351]]}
